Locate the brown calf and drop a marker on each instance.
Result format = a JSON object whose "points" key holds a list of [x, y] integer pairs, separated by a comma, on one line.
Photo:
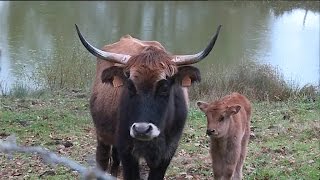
{"points": [[228, 125]]}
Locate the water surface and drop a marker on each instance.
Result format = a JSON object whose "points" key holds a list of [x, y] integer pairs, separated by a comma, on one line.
{"points": [[284, 34]]}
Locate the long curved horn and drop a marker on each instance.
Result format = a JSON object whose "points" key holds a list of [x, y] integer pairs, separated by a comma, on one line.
{"points": [[194, 58], [108, 56]]}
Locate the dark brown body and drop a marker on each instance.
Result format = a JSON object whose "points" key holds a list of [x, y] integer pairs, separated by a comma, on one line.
{"points": [[229, 129], [139, 103], [105, 98]]}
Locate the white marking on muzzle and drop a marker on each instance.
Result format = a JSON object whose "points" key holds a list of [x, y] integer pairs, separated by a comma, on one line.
{"points": [[144, 131]]}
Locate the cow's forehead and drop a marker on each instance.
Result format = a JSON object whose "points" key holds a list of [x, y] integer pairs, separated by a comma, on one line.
{"points": [[145, 73], [150, 66], [146, 78], [131, 46]]}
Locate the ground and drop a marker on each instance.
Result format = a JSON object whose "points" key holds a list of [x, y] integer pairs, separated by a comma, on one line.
{"points": [[284, 144]]}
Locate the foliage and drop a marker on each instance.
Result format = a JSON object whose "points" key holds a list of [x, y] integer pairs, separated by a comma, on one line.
{"points": [[261, 82], [70, 71]]}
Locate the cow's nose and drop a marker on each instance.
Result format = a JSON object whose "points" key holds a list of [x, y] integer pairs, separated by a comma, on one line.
{"points": [[144, 131], [210, 132], [141, 128]]}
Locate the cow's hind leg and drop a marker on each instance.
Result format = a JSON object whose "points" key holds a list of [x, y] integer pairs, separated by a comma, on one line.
{"points": [[103, 155], [115, 162]]}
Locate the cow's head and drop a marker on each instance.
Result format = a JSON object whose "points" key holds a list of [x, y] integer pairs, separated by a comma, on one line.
{"points": [[151, 80], [218, 116]]}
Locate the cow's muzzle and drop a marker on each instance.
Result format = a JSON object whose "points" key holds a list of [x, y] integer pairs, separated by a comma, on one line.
{"points": [[144, 131]]}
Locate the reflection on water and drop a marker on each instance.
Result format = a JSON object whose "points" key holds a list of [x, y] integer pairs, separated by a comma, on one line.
{"points": [[285, 34], [295, 45]]}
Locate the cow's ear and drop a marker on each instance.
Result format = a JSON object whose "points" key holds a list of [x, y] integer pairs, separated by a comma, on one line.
{"points": [[202, 105], [113, 75], [233, 109], [187, 75]]}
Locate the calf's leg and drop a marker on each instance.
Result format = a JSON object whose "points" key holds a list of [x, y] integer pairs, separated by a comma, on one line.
{"points": [[243, 154]]}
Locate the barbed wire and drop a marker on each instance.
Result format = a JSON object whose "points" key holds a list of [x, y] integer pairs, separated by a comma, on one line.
{"points": [[9, 146]]}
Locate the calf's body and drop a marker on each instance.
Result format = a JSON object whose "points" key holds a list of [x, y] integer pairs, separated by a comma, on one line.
{"points": [[228, 125]]}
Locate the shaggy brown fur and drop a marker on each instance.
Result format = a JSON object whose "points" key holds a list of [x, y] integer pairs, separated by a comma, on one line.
{"points": [[147, 68], [149, 63], [102, 92], [139, 103], [228, 125]]}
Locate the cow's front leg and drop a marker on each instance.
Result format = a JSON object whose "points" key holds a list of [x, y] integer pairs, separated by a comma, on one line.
{"points": [[130, 167], [157, 173]]}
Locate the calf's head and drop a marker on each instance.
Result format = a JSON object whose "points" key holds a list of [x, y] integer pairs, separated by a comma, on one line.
{"points": [[218, 117], [152, 82]]}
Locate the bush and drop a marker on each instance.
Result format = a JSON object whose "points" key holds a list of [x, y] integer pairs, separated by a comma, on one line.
{"points": [[67, 71], [259, 82]]}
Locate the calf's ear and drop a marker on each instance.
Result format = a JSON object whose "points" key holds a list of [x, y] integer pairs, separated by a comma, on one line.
{"points": [[113, 75], [233, 109], [202, 105], [187, 75]]}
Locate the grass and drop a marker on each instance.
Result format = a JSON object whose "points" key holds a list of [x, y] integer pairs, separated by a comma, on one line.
{"points": [[261, 82], [285, 146], [67, 70], [286, 122], [49, 122], [74, 70]]}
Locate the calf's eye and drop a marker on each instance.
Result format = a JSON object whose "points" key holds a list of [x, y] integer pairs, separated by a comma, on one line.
{"points": [[221, 118]]}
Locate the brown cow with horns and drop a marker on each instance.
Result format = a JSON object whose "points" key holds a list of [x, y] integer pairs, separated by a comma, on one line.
{"points": [[139, 103]]}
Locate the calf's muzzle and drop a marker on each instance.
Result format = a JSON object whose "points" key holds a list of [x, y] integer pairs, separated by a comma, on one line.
{"points": [[210, 132]]}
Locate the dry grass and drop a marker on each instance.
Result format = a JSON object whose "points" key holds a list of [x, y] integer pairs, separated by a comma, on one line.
{"points": [[259, 82], [67, 71]]}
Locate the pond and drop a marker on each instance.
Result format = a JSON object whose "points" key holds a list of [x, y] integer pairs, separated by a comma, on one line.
{"points": [[283, 34]]}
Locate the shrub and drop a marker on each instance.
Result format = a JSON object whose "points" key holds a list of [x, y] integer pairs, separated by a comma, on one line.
{"points": [[67, 71], [258, 82]]}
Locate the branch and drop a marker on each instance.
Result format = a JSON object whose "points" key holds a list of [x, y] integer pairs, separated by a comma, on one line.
{"points": [[10, 146]]}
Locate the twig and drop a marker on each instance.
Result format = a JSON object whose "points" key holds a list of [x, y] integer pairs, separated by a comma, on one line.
{"points": [[10, 146]]}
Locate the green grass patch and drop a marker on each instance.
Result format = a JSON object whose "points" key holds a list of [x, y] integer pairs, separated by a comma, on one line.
{"points": [[285, 146]]}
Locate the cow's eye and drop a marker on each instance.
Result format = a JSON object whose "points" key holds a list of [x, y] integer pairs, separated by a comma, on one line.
{"points": [[163, 88], [127, 74], [131, 88], [221, 118]]}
